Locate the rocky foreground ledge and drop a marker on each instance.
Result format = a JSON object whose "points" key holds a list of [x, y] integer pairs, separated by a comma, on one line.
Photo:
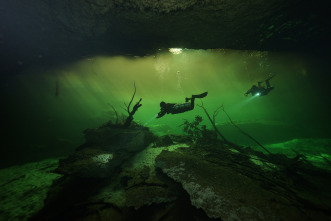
{"points": [[130, 174]]}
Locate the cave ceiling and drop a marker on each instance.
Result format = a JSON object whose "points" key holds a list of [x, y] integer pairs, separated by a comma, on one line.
{"points": [[54, 31]]}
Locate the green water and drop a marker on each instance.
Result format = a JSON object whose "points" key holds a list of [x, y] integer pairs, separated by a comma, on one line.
{"points": [[46, 110]]}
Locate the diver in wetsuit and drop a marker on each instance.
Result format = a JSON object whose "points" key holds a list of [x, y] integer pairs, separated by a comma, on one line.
{"points": [[260, 90], [172, 108]]}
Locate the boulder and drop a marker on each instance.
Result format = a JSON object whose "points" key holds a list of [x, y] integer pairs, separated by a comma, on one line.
{"points": [[224, 192], [164, 141], [105, 150], [117, 138], [89, 163]]}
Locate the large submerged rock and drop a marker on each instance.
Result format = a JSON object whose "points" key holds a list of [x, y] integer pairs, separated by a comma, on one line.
{"points": [[105, 150], [127, 179], [229, 191]]}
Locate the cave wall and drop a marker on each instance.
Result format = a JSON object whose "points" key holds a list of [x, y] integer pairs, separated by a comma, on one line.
{"points": [[51, 32]]}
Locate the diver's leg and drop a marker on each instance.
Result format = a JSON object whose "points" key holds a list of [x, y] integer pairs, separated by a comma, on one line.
{"points": [[267, 81], [192, 103], [200, 95], [196, 96]]}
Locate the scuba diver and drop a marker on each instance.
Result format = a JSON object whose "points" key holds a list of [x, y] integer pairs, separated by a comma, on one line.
{"points": [[260, 90], [171, 108]]}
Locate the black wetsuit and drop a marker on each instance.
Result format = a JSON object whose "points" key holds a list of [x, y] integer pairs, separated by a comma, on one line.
{"points": [[260, 90], [173, 108]]}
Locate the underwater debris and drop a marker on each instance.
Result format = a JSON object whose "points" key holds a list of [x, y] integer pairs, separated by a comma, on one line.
{"points": [[163, 141], [116, 123], [324, 157], [243, 132], [263, 163], [213, 122], [193, 129], [129, 119], [198, 133]]}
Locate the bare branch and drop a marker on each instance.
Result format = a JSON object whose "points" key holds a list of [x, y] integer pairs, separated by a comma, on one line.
{"points": [[216, 112], [243, 132], [130, 117], [183, 123], [325, 159], [211, 121], [115, 113], [134, 93]]}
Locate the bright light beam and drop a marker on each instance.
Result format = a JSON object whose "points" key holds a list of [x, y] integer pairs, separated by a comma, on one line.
{"points": [[150, 120], [243, 103]]}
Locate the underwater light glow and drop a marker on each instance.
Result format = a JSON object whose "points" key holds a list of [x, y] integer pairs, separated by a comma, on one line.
{"points": [[153, 118], [175, 50], [257, 94], [241, 104]]}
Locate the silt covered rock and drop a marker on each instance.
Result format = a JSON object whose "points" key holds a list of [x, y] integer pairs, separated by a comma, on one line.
{"points": [[231, 192], [105, 150]]}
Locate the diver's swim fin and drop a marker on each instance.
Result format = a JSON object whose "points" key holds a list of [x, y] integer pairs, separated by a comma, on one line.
{"points": [[270, 76], [200, 95]]}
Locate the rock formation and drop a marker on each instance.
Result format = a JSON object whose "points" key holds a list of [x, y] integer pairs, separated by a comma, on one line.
{"points": [[123, 174], [41, 32]]}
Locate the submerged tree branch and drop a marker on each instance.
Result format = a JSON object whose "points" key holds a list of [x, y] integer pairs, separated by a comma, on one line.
{"points": [[129, 119], [216, 112], [243, 132], [213, 123], [134, 93], [325, 159], [115, 113]]}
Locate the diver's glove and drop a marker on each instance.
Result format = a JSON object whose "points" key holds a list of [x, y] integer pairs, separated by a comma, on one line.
{"points": [[161, 114]]}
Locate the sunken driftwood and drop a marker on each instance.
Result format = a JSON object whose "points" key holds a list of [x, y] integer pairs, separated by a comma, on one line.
{"points": [[129, 119], [122, 121], [213, 122], [243, 132]]}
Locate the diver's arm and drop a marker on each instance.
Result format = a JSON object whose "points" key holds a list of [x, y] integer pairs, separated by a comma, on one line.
{"points": [[249, 91], [161, 114]]}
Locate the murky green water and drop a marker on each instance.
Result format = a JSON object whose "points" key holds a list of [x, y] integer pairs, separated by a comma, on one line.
{"points": [[47, 110]]}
